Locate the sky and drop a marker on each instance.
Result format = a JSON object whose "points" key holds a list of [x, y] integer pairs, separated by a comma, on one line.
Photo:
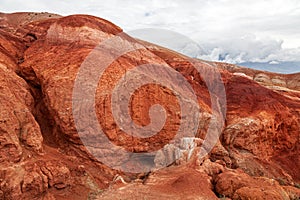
{"points": [[254, 33]]}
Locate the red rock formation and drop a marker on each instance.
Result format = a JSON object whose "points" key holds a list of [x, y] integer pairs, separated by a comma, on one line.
{"points": [[238, 185], [170, 183], [44, 157]]}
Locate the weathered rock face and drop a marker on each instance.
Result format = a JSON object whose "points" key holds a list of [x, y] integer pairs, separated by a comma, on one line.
{"points": [[267, 124], [238, 185], [35, 156], [43, 155], [171, 183]]}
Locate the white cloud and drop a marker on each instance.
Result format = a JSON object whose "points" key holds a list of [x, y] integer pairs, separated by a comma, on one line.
{"points": [[274, 62], [247, 48]]}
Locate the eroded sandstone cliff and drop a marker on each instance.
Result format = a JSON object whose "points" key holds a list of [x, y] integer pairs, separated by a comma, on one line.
{"points": [[257, 155]]}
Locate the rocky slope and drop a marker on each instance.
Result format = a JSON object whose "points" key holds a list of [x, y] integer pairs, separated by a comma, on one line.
{"points": [[50, 148]]}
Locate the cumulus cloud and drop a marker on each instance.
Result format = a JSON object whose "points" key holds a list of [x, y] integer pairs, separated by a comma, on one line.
{"points": [[242, 49], [229, 30], [250, 49]]}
